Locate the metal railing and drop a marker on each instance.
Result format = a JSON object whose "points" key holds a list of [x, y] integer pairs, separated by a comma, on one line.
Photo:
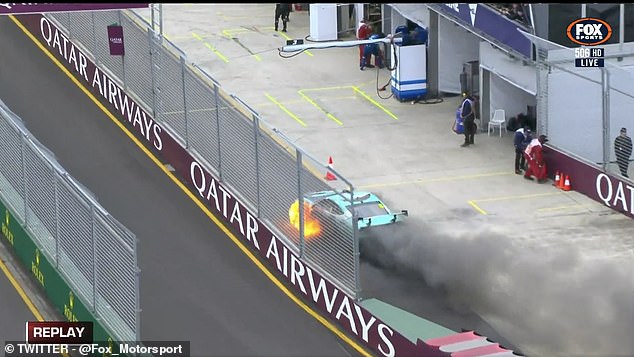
{"points": [[95, 253], [261, 166]]}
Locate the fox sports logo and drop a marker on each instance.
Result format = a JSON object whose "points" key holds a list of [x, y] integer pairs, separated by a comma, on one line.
{"points": [[589, 31]]}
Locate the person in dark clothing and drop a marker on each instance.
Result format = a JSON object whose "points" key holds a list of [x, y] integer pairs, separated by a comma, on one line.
{"points": [[521, 139], [468, 115], [372, 49], [623, 151], [282, 11]]}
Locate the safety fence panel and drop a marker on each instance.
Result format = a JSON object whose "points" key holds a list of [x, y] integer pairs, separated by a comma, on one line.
{"points": [[115, 276], [81, 30], [333, 248], [237, 149], [170, 102], [201, 98], [40, 181], [11, 167], [94, 253], [137, 62]]}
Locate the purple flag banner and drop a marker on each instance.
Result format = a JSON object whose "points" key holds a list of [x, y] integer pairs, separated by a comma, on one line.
{"points": [[115, 40], [491, 23], [29, 8]]}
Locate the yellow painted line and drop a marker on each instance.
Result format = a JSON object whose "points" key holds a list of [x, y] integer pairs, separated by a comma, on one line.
{"points": [[27, 300], [230, 32], [328, 114], [476, 207], [516, 197], [212, 48], [561, 208], [21, 292], [356, 89], [285, 109], [334, 329], [286, 37], [439, 179], [326, 88]]}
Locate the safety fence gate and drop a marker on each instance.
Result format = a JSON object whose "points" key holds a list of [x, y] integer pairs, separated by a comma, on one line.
{"points": [[263, 168], [94, 253]]}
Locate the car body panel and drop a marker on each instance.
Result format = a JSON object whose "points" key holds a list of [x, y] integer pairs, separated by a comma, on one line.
{"points": [[338, 206]]}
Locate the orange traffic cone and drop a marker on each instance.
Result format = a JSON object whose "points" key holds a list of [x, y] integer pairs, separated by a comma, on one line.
{"points": [[566, 186], [561, 182], [329, 175], [557, 178]]}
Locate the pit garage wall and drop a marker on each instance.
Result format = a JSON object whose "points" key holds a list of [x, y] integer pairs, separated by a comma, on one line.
{"points": [[511, 84], [456, 46]]}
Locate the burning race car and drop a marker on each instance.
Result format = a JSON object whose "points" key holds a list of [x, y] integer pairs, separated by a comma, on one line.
{"points": [[326, 210]]}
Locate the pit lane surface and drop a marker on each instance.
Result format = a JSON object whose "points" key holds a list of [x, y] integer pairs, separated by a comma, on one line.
{"points": [[196, 285]]}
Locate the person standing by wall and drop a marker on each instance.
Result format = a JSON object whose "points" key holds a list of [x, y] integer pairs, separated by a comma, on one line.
{"points": [[521, 140], [282, 11], [468, 115], [623, 151]]}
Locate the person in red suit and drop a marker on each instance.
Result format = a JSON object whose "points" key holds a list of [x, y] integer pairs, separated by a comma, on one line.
{"points": [[535, 158], [363, 33]]}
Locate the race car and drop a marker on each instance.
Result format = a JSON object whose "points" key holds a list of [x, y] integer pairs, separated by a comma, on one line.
{"points": [[332, 209]]}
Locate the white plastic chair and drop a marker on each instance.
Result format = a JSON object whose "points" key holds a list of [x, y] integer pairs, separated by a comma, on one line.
{"points": [[498, 120]]}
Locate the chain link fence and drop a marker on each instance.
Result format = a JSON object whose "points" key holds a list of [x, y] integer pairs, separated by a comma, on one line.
{"points": [[94, 253], [585, 109], [262, 167]]}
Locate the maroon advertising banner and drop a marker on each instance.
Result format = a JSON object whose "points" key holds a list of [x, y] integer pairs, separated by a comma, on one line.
{"points": [[592, 182], [337, 305], [29, 8], [115, 40]]}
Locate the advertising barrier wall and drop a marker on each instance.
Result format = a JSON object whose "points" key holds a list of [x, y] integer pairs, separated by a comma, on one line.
{"points": [[327, 297], [46, 276], [592, 181]]}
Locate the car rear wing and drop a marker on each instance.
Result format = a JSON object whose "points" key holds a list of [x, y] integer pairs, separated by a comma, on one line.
{"points": [[394, 217]]}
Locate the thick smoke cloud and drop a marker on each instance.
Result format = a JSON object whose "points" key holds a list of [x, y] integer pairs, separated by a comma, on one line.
{"points": [[546, 300]]}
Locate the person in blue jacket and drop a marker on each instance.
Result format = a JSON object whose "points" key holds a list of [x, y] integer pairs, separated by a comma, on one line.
{"points": [[521, 139], [372, 49]]}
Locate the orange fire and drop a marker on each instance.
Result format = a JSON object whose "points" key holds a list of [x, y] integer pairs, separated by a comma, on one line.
{"points": [[311, 225]]}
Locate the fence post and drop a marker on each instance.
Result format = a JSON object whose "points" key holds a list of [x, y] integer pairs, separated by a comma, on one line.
{"points": [[605, 101], [137, 285], [152, 72], [94, 259], [24, 185], [256, 132], [300, 201], [57, 219], [216, 94], [183, 72], [123, 81], [355, 244], [94, 39]]}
